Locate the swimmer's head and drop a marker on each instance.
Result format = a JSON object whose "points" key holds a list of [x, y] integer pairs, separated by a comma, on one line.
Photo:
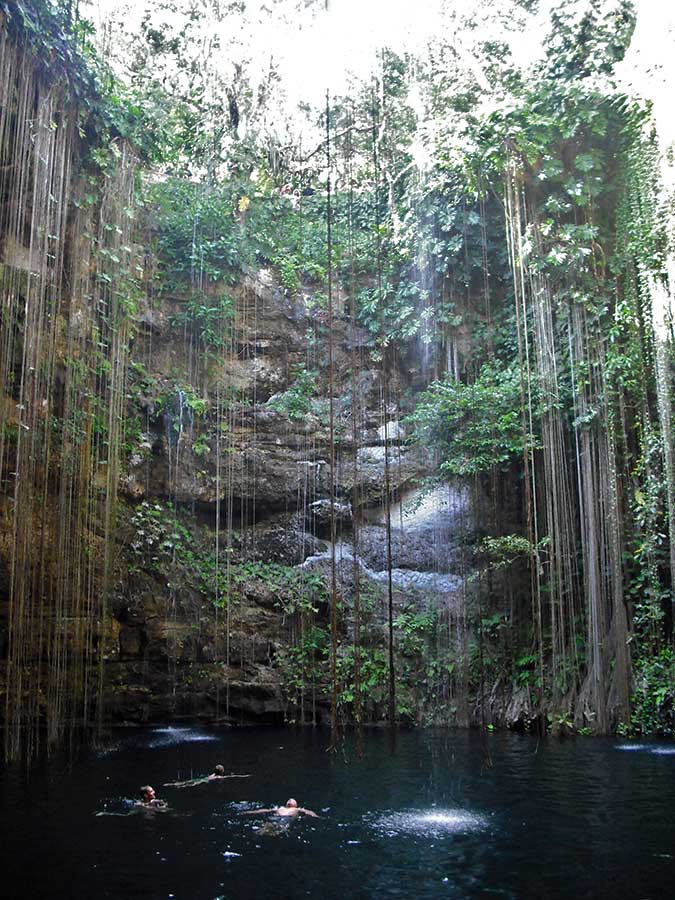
{"points": [[147, 793], [292, 803], [219, 770]]}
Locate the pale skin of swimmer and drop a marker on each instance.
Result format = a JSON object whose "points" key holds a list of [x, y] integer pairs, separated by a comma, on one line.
{"points": [[289, 810], [149, 799]]}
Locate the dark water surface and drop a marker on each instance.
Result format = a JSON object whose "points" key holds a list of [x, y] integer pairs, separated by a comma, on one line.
{"points": [[577, 818]]}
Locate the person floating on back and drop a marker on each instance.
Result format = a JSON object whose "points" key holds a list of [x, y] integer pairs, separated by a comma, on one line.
{"points": [[218, 774], [289, 810]]}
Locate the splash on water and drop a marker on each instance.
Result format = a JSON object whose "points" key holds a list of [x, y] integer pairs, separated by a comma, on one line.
{"points": [[159, 737], [649, 748], [119, 806], [429, 823], [166, 737]]}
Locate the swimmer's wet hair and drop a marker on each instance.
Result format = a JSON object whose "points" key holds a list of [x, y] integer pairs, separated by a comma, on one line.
{"points": [[219, 770], [145, 789]]}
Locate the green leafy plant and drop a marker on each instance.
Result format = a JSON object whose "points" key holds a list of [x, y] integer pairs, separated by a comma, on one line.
{"points": [[474, 426], [654, 698], [210, 319], [296, 402]]}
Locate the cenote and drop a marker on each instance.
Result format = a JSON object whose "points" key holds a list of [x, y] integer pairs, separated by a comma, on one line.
{"points": [[587, 817], [337, 391]]}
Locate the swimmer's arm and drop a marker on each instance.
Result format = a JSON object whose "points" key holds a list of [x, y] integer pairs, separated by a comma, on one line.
{"points": [[181, 784], [223, 777], [308, 812], [254, 812]]}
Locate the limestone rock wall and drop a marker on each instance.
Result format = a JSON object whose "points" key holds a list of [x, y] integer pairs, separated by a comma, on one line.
{"points": [[212, 440], [270, 456]]}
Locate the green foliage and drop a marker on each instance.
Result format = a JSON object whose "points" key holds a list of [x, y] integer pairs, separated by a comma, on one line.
{"points": [[212, 232], [305, 668], [654, 699], [414, 629], [210, 319], [474, 426], [160, 542], [132, 434], [296, 402], [525, 670], [196, 233], [589, 38], [56, 40], [179, 396], [296, 590], [61, 43], [648, 545], [200, 447], [303, 665], [373, 678], [167, 542], [501, 552]]}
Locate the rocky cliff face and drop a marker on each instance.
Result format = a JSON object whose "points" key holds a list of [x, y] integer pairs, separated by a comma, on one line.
{"points": [[274, 455], [231, 469]]}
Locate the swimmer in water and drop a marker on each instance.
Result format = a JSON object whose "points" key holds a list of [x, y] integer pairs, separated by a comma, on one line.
{"points": [[288, 811], [218, 774], [149, 800]]}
